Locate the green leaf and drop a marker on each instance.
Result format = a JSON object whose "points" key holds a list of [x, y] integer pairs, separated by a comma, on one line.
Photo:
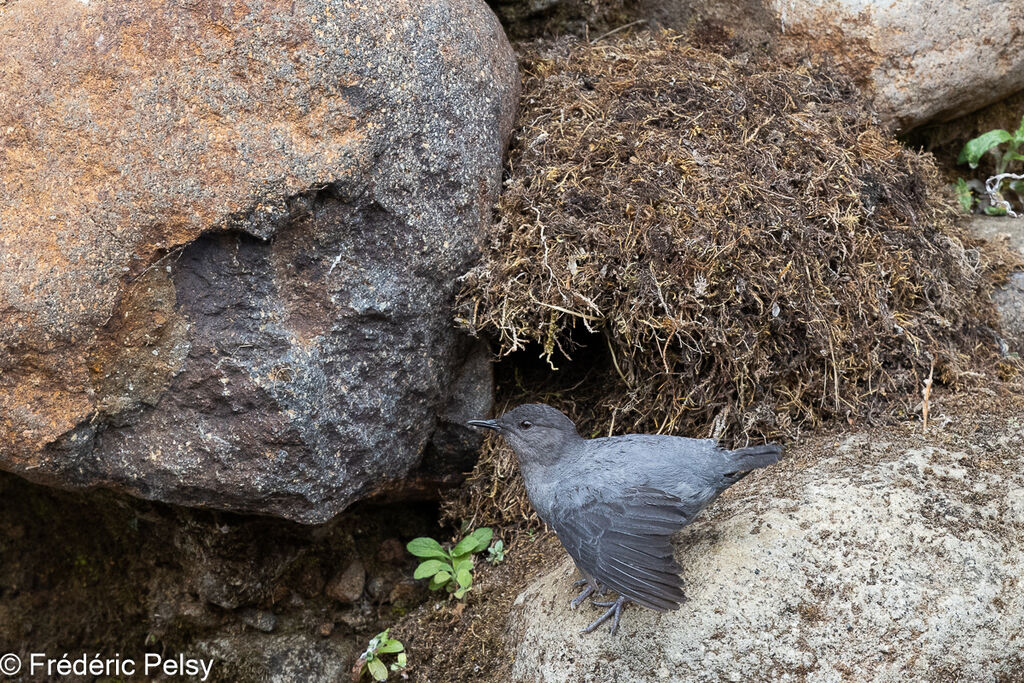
{"points": [[976, 148], [377, 640], [475, 542], [963, 194], [995, 211], [377, 670], [391, 646], [1019, 135], [1017, 186], [464, 547], [461, 593], [440, 580], [462, 562], [426, 547], [1015, 157], [483, 537], [464, 578], [401, 660], [429, 568]]}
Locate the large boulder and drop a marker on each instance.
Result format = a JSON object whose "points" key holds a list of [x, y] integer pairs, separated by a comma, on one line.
{"points": [[875, 556], [922, 60], [229, 236], [919, 60]]}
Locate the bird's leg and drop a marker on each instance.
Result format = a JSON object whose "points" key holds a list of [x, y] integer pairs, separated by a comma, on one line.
{"points": [[592, 586], [614, 612], [587, 592]]}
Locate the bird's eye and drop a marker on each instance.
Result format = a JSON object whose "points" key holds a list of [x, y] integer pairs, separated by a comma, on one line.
{"points": [[525, 424]]}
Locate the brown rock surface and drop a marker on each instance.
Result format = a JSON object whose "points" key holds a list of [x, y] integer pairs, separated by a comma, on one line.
{"points": [[228, 236]]}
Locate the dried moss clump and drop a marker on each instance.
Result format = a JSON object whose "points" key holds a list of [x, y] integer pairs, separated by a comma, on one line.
{"points": [[758, 255]]}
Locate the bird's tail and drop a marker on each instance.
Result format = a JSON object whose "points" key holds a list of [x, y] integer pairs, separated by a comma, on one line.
{"points": [[755, 457]]}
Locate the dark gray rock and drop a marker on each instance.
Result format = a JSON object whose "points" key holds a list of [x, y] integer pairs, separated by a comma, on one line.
{"points": [[281, 658], [244, 304]]}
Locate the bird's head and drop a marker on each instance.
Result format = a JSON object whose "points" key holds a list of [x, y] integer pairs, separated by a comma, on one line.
{"points": [[537, 432]]}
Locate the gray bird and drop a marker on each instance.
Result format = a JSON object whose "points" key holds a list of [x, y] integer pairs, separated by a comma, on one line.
{"points": [[615, 502]]}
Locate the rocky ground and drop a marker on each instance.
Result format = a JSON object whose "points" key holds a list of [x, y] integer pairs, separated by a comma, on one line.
{"points": [[257, 260], [883, 553], [107, 573]]}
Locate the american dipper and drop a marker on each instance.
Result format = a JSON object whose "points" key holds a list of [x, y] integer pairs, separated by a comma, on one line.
{"points": [[615, 502]]}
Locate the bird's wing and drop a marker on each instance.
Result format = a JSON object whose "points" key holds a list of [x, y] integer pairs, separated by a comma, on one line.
{"points": [[626, 543]]}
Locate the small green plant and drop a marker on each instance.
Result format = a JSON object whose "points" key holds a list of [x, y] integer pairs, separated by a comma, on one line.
{"points": [[1005, 148], [452, 570], [496, 553], [382, 644], [964, 196]]}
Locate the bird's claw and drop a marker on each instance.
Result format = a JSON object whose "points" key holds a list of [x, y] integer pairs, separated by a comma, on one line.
{"points": [[592, 587], [614, 613], [587, 592]]}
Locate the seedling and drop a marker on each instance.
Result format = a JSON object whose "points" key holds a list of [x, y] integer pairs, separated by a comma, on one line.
{"points": [[1005, 147], [496, 553], [452, 570], [382, 644]]}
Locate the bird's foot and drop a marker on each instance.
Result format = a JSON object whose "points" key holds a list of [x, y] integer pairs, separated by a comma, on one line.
{"points": [[613, 613], [587, 592], [591, 588]]}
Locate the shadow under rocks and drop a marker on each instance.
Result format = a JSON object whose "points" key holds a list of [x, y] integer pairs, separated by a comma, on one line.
{"points": [[100, 572]]}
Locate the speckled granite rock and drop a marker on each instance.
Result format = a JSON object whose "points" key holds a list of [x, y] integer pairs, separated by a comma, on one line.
{"points": [[1009, 299], [280, 658], [919, 60], [864, 558], [229, 235], [922, 60]]}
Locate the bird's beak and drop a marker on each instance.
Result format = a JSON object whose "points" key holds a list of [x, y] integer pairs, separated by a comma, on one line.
{"points": [[486, 424]]}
